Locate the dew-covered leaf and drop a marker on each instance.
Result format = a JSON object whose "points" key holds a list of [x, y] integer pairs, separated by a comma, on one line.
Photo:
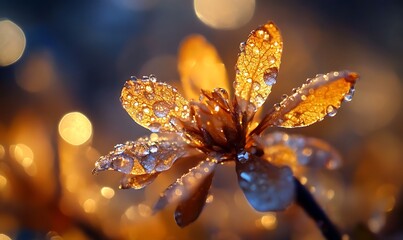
{"points": [[307, 151], [186, 185], [267, 187], [144, 156], [189, 209], [257, 67], [153, 104], [318, 97], [200, 67]]}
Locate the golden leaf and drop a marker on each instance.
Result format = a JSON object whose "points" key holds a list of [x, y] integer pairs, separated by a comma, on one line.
{"points": [[257, 66], [200, 67], [153, 104], [319, 97]]}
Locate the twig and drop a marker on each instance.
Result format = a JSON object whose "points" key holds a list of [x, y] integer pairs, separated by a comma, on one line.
{"points": [[305, 199]]}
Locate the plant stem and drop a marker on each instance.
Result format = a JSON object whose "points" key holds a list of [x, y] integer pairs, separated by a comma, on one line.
{"points": [[305, 199]]}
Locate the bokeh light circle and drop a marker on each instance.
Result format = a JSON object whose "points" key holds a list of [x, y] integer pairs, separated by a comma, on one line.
{"points": [[12, 42], [224, 14], [75, 128]]}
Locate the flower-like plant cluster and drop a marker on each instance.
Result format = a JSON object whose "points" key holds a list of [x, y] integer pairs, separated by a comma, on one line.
{"points": [[218, 129]]}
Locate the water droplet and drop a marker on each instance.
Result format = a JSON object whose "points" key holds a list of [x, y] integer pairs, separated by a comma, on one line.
{"points": [[154, 127], [336, 74], [295, 90], [349, 96], [146, 110], [152, 78], [144, 78], [270, 76], [284, 96], [237, 71], [311, 91], [133, 78], [242, 46], [149, 89], [161, 109], [249, 80], [139, 116], [246, 176], [309, 80], [119, 148], [303, 97], [272, 60], [331, 111], [243, 156], [259, 99], [326, 77], [277, 106], [153, 148], [318, 75], [256, 86]]}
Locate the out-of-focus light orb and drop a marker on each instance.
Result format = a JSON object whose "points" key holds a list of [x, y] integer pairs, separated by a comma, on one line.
{"points": [[4, 237], [12, 42], [269, 221], [107, 192], [89, 205], [224, 14], [75, 128], [144, 210], [37, 72], [23, 154], [25, 157], [376, 223], [131, 213]]}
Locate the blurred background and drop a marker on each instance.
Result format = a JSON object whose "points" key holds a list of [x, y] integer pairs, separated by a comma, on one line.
{"points": [[62, 67]]}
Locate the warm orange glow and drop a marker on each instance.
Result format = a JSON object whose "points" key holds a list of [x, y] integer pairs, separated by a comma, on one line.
{"points": [[23, 154], [3, 181], [144, 210], [25, 157], [90, 205], [2, 152], [224, 14], [75, 128], [200, 67], [4, 237], [12, 42], [269, 221]]}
